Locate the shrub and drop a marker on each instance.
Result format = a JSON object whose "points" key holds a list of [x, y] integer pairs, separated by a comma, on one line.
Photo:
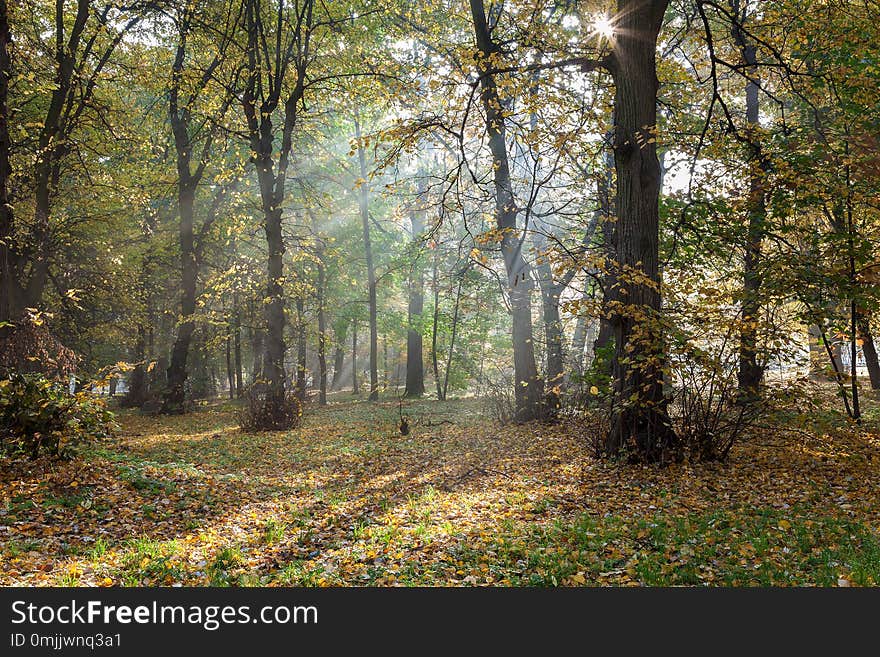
{"points": [[499, 402], [27, 346], [38, 416], [266, 412]]}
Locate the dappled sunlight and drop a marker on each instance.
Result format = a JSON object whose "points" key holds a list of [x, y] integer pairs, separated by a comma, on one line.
{"points": [[471, 504]]}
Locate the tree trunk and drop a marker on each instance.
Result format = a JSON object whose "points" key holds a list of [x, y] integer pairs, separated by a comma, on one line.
{"points": [[452, 338], [364, 202], [322, 340], [262, 95], [230, 372], [137, 382], [8, 285], [354, 359], [870, 352], [435, 280], [528, 388], [177, 371], [553, 339], [273, 363], [640, 425], [415, 366], [239, 382], [339, 332], [300, 349], [750, 372]]}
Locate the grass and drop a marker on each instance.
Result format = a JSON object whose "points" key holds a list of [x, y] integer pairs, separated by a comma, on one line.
{"points": [[345, 499]]}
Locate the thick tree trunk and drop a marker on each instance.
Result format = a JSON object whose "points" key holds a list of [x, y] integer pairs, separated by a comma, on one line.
{"points": [[338, 364], [8, 284], [640, 425], [870, 352], [339, 334], [415, 366], [528, 387], [364, 202], [273, 364], [137, 382], [322, 339], [553, 338], [177, 371]]}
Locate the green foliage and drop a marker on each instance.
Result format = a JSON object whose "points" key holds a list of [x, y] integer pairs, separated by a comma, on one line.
{"points": [[37, 416]]}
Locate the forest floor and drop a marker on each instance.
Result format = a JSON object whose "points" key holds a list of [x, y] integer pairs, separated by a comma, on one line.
{"points": [[347, 500]]}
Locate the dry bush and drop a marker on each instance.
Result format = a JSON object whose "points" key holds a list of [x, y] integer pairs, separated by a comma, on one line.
{"points": [[263, 411]]}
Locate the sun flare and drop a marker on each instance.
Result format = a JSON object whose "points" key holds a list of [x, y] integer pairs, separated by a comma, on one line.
{"points": [[603, 27]]}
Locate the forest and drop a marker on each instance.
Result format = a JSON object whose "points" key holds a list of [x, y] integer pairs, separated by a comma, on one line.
{"points": [[439, 293]]}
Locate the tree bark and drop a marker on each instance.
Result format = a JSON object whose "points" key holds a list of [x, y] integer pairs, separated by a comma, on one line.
{"points": [[300, 349], [8, 284], [640, 426], [528, 387], [869, 351], [750, 372], [177, 371], [338, 355]]}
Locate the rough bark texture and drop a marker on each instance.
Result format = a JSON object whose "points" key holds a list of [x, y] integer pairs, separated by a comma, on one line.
{"points": [[528, 387], [7, 283], [640, 425]]}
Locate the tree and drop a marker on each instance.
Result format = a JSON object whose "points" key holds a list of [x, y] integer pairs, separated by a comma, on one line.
{"points": [[640, 424], [181, 110], [528, 387], [278, 53]]}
